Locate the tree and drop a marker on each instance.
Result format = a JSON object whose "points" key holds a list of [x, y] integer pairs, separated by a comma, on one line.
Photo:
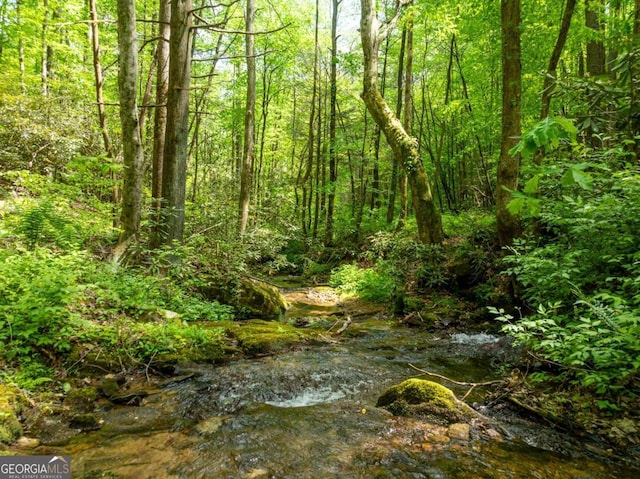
{"points": [[405, 147], [550, 77], [174, 165], [333, 155], [508, 225], [307, 168], [596, 53], [246, 170], [98, 77], [132, 155], [162, 88]]}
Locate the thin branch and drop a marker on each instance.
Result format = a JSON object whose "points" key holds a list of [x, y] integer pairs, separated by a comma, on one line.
{"points": [[344, 327], [144, 20], [390, 25], [459, 383], [233, 57], [207, 7], [82, 22], [213, 28]]}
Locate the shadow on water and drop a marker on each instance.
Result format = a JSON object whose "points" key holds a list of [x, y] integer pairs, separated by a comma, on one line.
{"points": [[311, 414]]}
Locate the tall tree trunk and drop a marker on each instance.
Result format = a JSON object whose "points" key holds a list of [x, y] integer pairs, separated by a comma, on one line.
{"points": [[44, 59], [333, 154], [98, 78], [508, 225], [308, 169], [404, 146], [160, 112], [636, 25], [596, 53], [20, 48], [550, 77], [102, 116], [246, 173], [174, 167], [393, 188], [634, 84], [406, 123], [376, 192], [132, 155]]}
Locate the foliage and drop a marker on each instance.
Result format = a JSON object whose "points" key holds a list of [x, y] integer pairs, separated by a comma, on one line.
{"points": [[56, 215], [548, 133], [596, 343], [36, 291], [140, 342], [581, 273], [372, 284], [118, 292], [41, 224], [41, 135]]}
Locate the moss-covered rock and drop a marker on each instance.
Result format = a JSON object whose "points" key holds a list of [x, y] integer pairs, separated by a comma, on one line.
{"points": [[417, 391], [84, 422], [81, 400], [426, 399], [258, 337], [11, 404], [260, 300], [251, 297], [109, 386]]}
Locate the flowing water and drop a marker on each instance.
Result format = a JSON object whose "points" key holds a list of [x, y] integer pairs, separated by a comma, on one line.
{"points": [[311, 413]]}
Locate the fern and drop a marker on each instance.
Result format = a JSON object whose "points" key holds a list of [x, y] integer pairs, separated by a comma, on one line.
{"points": [[41, 224]]}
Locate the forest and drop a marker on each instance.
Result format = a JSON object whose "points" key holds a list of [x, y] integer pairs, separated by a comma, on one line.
{"points": [[463, 165]]}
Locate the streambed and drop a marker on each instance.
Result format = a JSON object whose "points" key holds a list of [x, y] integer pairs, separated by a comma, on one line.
{"points": [[310, 413]]}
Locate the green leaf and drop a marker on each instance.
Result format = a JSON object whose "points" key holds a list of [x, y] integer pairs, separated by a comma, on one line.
{"points": [[573, 176], [516, 205], [531, 186]]}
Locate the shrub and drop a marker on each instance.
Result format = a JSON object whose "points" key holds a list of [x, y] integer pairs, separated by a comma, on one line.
{"points": [[372, 284], [36, 290], [580, 272]]}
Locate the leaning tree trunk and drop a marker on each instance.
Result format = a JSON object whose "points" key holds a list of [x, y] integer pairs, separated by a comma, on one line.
{"points": [[132, 155], [508, 225], [405, 147], [550, 77]]}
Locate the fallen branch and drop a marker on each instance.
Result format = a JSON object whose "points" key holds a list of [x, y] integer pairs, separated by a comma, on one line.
{"points": [[459, 383], [346, 324]]}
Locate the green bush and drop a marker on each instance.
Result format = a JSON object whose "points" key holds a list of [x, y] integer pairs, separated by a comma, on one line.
{"points": [[36, 291], [580, 272], [372, 284], [114, 292]]}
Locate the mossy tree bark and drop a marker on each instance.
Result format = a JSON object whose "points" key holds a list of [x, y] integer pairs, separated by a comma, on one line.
{"points": [[508, 225], [404, 146], [174, 167], [132, 154]]}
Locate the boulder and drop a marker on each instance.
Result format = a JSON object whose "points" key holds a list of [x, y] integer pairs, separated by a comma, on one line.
{"points": [[251, 298], [425, 399]]}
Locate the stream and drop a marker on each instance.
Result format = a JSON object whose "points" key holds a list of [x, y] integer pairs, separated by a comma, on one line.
{"points": [[310, 413]]}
